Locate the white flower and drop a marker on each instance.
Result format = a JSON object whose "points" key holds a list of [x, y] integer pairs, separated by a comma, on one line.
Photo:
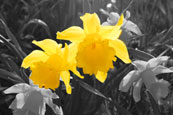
{"points": [[32, 100], [146, 73]]}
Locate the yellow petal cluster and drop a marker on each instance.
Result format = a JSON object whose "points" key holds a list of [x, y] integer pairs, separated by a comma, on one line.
{"points": [[51, 63], [97, 45]]}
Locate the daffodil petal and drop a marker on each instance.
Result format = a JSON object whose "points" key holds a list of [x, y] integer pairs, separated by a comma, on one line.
{"points": [[159, 89], [19, 101], [65, 52], [57, 110], [48, 93], [22, 112], [121, 50], [148, 77], [132, 27], [154, 62], [65, 75], [74, 34], [101, 76], [106, 24], [42, 108], [73, 49], [34, 102], [161, 69], [91, 23], [140, 65], [35, 56], [18, 88], [43, 75], [74, 70], [137, 91], [48, 45], [120, 21], [110, 32], [127, 81], [113, 18]]}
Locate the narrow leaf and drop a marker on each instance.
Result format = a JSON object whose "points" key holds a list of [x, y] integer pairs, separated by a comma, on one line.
{"points": [[10, 35], [14, 66], [91, 89], [12, 47], [141, 55], [4, 74]]}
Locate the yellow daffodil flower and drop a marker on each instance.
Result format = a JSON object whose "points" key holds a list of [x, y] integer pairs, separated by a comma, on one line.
{"points": [[146, 73], [49, 65], [97, 45], [32, 100]]}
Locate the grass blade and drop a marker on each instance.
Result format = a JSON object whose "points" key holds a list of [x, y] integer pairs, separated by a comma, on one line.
{"points": [[12, 47], [91, 89], [4, 74], [10, 35]]}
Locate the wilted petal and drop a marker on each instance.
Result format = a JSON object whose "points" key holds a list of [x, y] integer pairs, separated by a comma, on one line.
{"points": [[125, 36], [48, 45], [140, 65], [128, 80], [137, 91], [148, 77], [48, 93], [101, 76], [132, 27], [57, 110], [91, 23], [22, 112], [106, 24], [34, 102], [65, 75], [161, 69], [42, 109], [121, 50], [113, 18], [19, 101], [74, 34], [34, 56], [157, 61], [18, 88], [159, 89]]}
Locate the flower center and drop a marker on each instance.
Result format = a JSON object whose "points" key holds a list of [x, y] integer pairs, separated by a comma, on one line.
{"points": [[94, 54]]}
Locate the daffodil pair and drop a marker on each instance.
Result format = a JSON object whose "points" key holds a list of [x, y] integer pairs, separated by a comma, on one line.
{"points": [[93, 49], [146, 73], [97, 45]]}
